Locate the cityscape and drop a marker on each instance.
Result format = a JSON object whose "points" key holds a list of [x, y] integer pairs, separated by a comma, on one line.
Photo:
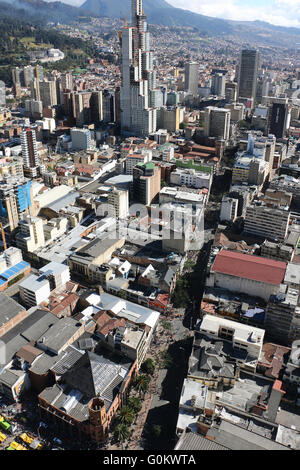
{"points": [[150, 230]]}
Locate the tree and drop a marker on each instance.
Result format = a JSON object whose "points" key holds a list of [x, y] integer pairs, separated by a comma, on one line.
{"points": [[164, 360], [126, 415], [121, 433], [156, 429], [141, 383], [166, 325], [181, 297], [135, 404], [148, 366], [122, 294]]}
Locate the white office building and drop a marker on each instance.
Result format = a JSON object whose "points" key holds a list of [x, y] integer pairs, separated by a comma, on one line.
{"points": [[267, 222], [81, 139], [229, 209], [57, 274], [244, 337], [34, 290], [191, 178], [120, 202]]}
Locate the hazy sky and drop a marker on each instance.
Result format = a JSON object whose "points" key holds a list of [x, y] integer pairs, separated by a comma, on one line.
{"points": [[280, 12]]}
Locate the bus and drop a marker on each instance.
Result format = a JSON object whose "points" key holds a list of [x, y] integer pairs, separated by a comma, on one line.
{"points": [[5, 425], [17, 446]]}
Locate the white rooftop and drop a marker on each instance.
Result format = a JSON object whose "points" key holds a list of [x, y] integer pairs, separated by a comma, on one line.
{"points": [[56, 268], [124, 309], [242, 332], [292, 274], [52, 195], [34, 283]]}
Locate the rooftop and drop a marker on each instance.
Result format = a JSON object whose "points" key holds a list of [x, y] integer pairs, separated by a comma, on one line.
{"points": [[250, 267], [9, 309], [192, 441], [59, 334], [124, 309], [242, 332], [34, 283]]}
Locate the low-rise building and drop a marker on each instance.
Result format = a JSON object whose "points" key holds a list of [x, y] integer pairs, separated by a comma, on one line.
{"points": [[94, 389], [276, 251], [191, 178], [60, 336], [247, 274], [11, 313], [34, 290], [87, 261], [241, 336]]}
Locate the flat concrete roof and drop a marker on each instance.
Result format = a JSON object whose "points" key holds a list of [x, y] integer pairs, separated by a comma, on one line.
{"points": [[9, 309]]}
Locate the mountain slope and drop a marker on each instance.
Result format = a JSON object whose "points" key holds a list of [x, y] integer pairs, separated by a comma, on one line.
{"points": [[41, 11], [160, 12]]}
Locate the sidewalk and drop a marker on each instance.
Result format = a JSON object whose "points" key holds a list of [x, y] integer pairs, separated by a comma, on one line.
{"points": [[159, 343]]}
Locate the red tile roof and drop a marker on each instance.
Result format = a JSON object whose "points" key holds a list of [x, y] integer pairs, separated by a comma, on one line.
{"points": [[250, 267], [278, 386]]}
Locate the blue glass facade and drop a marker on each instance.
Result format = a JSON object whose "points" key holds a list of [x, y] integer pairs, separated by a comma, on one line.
{"points": [[24, 198]]}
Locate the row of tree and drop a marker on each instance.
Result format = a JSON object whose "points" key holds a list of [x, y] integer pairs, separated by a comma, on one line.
{"points": [[128, 413]]}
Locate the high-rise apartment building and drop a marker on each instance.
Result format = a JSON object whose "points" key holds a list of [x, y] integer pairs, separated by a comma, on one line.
{"points": [[138, 76], [134, 159], [31, 235], [15, 200], [17, 76], [146, 182], [120, 201], [39, 72], [248, 73], [217, 123], [170, 118], [35, 90], [81, 139], [29, 151], [282, 322], [66, 81], [33, 109], [24, 76], [218, 85], [231, 92], [48, 93], [81, 107], [28, 72], [191, 78], [229, 209]]}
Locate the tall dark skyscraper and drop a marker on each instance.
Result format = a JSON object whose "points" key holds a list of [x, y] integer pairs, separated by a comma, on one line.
{"points": [[138, 76], [279, 117], [248, 72]]}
